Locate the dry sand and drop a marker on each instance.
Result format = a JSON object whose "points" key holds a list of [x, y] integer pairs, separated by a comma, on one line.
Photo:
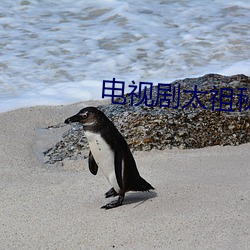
{"points": [[201, 201]]}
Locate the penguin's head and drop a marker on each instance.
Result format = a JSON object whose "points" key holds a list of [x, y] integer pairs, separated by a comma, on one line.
{"points": [[88, 117]]}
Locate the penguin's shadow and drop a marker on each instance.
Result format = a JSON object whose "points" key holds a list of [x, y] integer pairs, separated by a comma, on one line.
{"points": [[138, 198]]}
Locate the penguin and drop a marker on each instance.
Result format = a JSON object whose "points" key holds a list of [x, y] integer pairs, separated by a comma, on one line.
{"points": [[110, 152]]}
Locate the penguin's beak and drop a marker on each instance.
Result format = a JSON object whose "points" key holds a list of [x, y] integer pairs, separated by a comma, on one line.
{"points": [[74, 118]]}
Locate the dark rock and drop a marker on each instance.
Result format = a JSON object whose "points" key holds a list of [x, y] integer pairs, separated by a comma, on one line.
{"points": [[156, 127]]}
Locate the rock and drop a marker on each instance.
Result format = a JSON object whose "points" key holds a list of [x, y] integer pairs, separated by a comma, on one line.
{"points": [[146, 128]]}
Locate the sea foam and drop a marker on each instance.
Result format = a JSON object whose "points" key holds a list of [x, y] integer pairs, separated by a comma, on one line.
{"points": [[60, 52]]}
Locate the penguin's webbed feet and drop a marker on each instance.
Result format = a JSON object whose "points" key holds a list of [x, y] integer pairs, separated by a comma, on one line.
{"points": [[113, 204], [111, 193]]}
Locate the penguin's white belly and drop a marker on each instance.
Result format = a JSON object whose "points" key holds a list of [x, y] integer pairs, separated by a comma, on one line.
{"points": [[104, 157]]}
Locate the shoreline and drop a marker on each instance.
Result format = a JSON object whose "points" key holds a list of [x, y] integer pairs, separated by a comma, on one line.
{"points": [[201, 198]]}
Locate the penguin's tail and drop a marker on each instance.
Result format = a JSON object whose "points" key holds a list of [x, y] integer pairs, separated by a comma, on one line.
{"points": [[141, 185]]}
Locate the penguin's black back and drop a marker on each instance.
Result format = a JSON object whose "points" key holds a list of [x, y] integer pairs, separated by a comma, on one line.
{"points": [[132, 180]]}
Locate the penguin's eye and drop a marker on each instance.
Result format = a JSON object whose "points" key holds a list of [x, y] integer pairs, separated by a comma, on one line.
{"points": [[84, 115]]}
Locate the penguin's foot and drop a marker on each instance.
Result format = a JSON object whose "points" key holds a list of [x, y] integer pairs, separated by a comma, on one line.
{"points": [[111, 193], [113, 204]]}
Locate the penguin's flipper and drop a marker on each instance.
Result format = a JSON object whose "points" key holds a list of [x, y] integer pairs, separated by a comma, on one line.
{"points": [[118, 166], [93, 167], [111, 193], [115, 203]]}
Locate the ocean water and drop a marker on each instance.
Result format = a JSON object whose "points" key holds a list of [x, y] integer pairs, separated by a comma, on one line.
{"points": [[59, 52]]}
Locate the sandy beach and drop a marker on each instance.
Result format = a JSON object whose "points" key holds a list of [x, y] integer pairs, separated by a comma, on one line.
{"points": [[201, 198]]}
